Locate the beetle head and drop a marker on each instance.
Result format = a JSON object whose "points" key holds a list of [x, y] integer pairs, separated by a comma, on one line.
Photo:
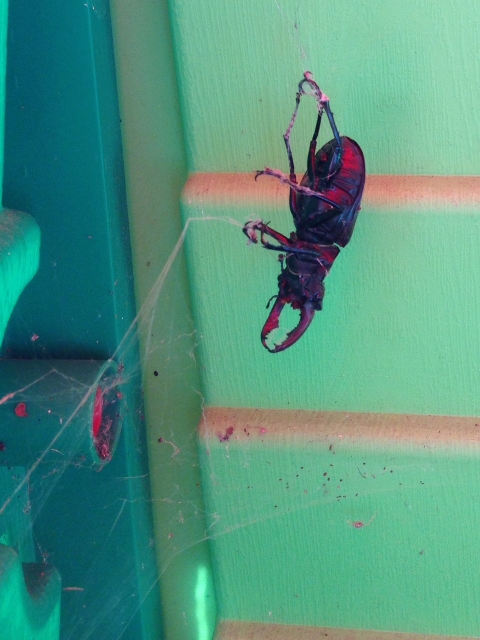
{"points": [[304, 292]]}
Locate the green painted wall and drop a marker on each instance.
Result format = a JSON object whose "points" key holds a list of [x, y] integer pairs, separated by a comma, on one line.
{"points": [[282, 513], [399, 327], [398, 331], [402, 78]]}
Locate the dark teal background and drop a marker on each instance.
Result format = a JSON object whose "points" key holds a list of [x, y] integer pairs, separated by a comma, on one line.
{"points": [[63, 165]]}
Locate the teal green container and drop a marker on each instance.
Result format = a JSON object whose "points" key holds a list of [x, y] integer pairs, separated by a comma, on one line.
{"points": [[82, 450]]}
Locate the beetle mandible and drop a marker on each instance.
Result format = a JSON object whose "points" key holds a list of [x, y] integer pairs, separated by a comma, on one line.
{"points": [[324, 207]]}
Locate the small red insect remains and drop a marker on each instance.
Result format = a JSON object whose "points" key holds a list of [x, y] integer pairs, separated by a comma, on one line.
{"points": [[21, 410], [358, 524], [228, 432], [324, 207]]}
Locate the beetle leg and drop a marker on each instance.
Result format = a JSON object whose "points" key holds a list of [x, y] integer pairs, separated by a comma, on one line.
{"points": [[288, 245], [312, 149], [323, 104], [286, 136], [291, 165], [337, 156], [298, 188], [284, 244], [311, 153], [306, 316], [294, 209], [331, 120], [250, 229]]}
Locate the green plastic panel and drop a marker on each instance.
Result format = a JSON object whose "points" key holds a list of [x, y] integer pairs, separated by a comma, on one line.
{"points": [[318, 526], [402, 78], [398, 332], [399, 328]]}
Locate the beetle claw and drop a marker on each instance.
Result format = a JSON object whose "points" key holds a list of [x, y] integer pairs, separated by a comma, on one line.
{"points": [[250, 229], [306, 316]]}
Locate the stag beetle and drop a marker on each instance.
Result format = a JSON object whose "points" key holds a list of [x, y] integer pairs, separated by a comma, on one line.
{"points": [[324, 207]]}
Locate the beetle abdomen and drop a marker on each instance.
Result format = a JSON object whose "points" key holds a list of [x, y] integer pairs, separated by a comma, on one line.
{"points": [[324, 223]]}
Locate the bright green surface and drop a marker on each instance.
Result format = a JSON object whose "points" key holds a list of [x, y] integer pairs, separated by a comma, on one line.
{"points": [[27, 615], [19, 257], [155, 173], [3, 62], [399, 328], [287, 551], [402, 78], [23, 616], [398, 333]]}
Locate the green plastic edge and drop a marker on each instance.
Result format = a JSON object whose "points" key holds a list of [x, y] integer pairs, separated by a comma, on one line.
{"points": [[156, 170], [345, 533], [401, 77], [19, 259], [24, 614]]}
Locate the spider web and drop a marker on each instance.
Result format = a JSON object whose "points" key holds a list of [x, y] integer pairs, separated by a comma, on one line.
{"points": [[50, 458]]}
